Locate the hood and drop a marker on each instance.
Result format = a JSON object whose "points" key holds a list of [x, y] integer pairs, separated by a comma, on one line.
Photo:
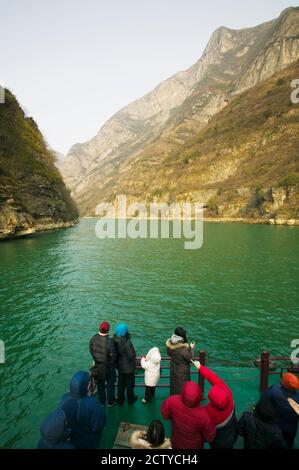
{"points": [[175, 339], [120, 340], [121, 329], [191, 395], [154, 356], [218, 397], [173, 346], [180, 331], [264, 411], [79, 383], [290, 381], [53, 429], [120, 343]]}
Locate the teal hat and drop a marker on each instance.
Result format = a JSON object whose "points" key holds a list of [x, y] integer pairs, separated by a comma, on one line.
{"points": [[121, 329]]}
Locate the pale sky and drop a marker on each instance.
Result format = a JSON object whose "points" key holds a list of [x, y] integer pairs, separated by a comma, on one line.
{"points": [[73, 63]]}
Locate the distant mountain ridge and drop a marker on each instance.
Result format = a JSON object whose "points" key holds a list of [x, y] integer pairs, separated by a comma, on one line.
{"points": [[151, 129], [244, 165]]}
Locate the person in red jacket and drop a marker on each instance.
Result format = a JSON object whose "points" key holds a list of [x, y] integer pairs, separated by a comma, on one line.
{"points": [[191, 423], [221, 408]]}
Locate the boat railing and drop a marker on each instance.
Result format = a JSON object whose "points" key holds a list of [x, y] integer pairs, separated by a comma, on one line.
{"points": [[266, 364]]}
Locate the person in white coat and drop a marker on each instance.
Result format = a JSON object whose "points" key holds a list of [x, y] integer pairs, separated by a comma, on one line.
{"points": [[151, 366]]}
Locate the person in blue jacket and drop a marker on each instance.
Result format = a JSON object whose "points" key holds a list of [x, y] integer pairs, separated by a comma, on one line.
{"points": [[55, 434], [85, 416], [125, 364], [287, 419]]}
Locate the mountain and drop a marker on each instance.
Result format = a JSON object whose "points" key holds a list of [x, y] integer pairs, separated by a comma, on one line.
{"points": [[33, 196], [141, 137], [58, 158], [243, 165]]}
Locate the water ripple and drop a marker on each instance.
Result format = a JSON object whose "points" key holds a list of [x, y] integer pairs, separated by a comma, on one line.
{"points": [[236, 296]]}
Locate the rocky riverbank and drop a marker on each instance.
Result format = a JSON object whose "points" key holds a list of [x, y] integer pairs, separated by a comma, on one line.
{"points": [[288, 222], [33, 196]]}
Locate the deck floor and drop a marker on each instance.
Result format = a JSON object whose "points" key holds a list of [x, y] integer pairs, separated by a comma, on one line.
{"points": [[243, 382]]}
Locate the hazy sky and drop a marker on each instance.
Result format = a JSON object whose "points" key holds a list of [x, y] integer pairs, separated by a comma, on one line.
{"points": [[74, 63]]}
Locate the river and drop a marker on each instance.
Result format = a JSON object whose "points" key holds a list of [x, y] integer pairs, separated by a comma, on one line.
{"points": [[236, 295]]}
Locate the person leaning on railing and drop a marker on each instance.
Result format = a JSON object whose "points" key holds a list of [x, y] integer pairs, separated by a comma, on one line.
{"points": [[103, 352], [151, 365], [180, 353], [125, 364]]}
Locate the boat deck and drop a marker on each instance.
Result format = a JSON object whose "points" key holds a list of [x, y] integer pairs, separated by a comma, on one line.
{"points": [[244, 383]]}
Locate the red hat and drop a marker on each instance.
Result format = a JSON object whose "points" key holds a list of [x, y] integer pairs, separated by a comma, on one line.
{"points": [[290, 381], [104, 327]]}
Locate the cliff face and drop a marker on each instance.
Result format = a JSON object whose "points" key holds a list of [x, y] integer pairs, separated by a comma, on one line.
{"points": [[137, 141], [243, 165], [33, 196]]}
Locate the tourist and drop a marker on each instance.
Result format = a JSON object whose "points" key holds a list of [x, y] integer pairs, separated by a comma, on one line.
{"points": [[154, 438], [221, 408], [151, 365], [55, 434], [287, 418], [180, 354], [126, 364], [103, 351], [85, 416], [191, 424], [259, 428]]}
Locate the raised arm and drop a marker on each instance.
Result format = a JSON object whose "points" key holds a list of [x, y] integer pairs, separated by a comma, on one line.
{"points": [[144, 363], [207, 374]]}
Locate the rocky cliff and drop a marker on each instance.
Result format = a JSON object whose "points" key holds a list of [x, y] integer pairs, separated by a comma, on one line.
{"points": [[135, 143], [33, 196], [243, 165]]}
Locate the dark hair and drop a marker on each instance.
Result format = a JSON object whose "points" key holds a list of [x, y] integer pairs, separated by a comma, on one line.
{"points": [[155, 434], [264, 410], [180, 331]]}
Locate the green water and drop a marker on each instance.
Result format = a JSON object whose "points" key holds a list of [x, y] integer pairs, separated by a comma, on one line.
{"points": [[236, 296]]}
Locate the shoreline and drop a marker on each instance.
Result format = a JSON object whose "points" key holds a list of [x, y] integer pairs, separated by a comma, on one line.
{"points": [[276, 222], [36, 230]]}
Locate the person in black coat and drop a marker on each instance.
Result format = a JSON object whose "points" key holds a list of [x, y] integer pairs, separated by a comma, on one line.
{"points": [[259, 428], [126, 364], [287, 418], [180, 353], [103, 351]]}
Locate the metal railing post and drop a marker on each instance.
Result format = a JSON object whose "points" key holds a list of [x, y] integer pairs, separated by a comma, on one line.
{"points": [[264, 377], [201, 380]]}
